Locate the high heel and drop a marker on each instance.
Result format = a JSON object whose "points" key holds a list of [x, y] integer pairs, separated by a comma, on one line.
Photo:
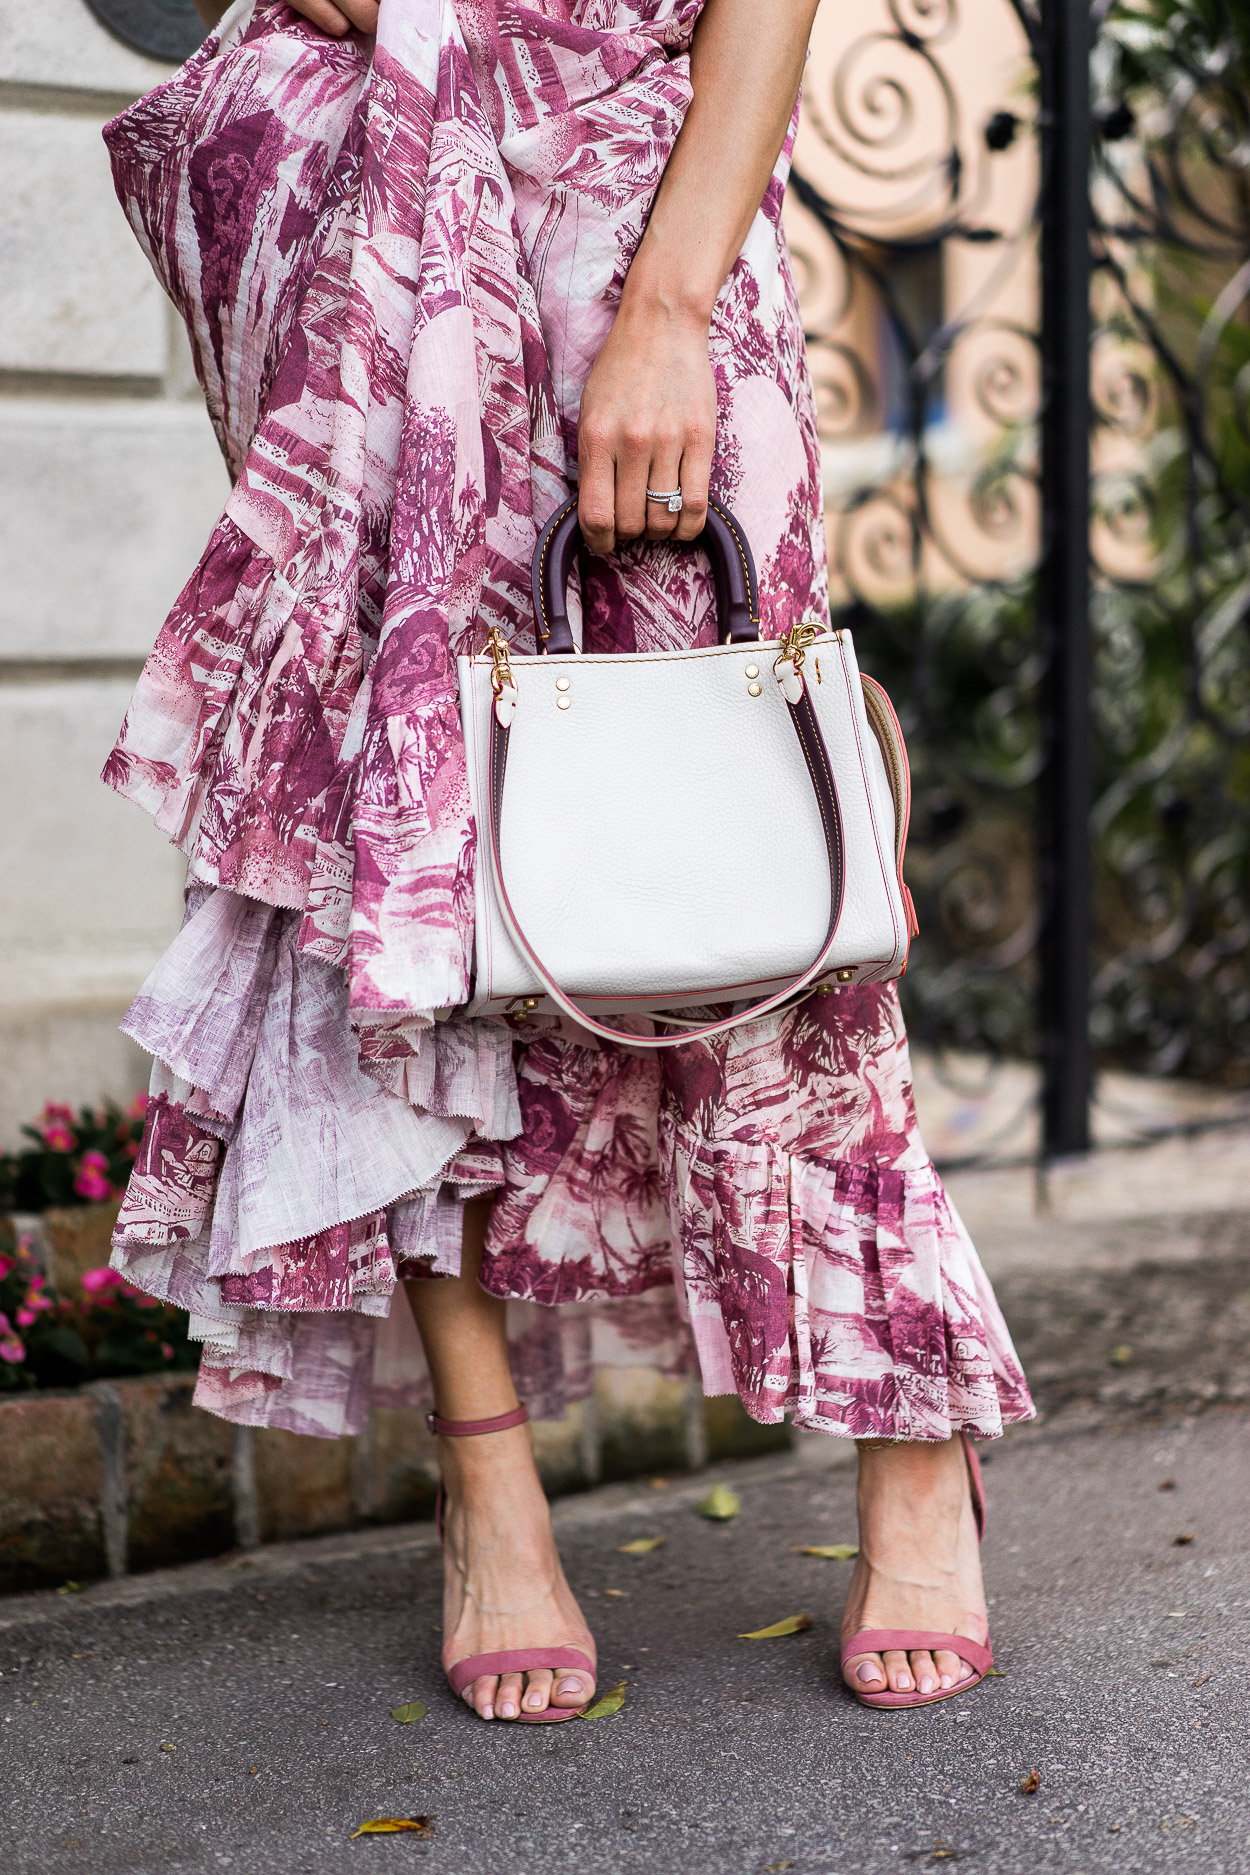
{"points": [[462, 1673], [906, 1640]]}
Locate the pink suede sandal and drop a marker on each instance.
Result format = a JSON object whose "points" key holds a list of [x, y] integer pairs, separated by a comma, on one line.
{"points": [[907, 1640], [520, 1659]]}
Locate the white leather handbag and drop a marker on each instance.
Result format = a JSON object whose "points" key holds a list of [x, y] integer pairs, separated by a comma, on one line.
{"points": [[659, 831]]}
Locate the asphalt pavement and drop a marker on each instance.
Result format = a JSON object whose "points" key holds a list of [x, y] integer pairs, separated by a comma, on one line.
{"points": [[237, 1714]]}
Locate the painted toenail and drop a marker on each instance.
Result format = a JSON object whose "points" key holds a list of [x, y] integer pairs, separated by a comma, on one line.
{"points": [[946, 1680], [570, 1686], [508, 1710], [868, 1672], [926, 1684]]}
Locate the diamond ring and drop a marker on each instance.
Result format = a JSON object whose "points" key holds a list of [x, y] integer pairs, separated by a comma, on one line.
{"points": [[671, 497]]}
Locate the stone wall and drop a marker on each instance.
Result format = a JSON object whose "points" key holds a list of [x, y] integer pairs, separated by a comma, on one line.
{"points": [[110, 481]]}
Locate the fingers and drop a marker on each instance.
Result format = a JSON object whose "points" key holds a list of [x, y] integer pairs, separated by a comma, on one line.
{"points": [[338, 17], [596, 488], [324, 14], [663, 475], [696, 473]]}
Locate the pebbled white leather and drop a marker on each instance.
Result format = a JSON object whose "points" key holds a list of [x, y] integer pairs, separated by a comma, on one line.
{"points": [[660, 836]]}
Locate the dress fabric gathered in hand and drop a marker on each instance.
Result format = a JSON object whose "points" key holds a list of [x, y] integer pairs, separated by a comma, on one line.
{"points": [[396, 261]]}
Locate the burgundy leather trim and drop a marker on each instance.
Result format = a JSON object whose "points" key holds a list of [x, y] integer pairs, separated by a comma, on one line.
{"points": [[722, 539], [816, 757]]}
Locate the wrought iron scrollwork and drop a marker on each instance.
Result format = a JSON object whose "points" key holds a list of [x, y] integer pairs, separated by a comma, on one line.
{"points": [[913, 217]]}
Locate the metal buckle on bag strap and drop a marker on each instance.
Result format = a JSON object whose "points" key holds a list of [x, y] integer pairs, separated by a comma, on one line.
{"points": [[501, 673], [795, 642]]}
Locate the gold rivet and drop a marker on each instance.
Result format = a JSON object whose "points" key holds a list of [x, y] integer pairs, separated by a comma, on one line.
{"points": [[845, 976], [753, 690], [531, 1002], [564, 703], [753, 670], [562, 683]]}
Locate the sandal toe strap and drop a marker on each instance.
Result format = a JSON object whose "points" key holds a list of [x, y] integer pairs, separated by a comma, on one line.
{"points": [[910, 1641], [517, 1660]]}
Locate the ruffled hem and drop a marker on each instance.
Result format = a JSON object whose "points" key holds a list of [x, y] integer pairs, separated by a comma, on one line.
{"points": [[291, 1177], [845, 1294]]}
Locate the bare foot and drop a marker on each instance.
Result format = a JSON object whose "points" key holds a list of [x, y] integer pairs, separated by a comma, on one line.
{"points": [[919, 1565], [503, 1586]]}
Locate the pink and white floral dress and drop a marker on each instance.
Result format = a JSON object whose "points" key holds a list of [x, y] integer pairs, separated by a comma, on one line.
{"points": [[396, 261]]}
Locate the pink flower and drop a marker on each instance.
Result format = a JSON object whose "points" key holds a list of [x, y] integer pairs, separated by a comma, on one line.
{"points": [[6, 1264], [26, 1318], [92, 1181], [53, 1112], [167, 1351], [11, 1348], [58, 1138], [96, 1282]]}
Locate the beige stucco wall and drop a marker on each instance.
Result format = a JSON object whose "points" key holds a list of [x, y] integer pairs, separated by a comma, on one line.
{"points": [[110, 481]]}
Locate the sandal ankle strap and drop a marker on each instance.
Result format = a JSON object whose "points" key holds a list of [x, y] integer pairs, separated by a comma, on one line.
{"points": [[465, 1428]]}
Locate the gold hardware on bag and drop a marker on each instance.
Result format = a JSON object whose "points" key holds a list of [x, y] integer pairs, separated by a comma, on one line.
{"points": [[522, 1008], [794, 643], [752, 670], [845, 976], [501, 677]]}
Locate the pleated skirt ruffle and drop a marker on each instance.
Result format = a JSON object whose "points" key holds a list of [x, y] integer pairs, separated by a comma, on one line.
{"points": [[761, 1208]]}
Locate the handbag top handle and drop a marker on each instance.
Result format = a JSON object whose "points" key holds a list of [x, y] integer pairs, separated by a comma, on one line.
{"points": [[722, 539]]}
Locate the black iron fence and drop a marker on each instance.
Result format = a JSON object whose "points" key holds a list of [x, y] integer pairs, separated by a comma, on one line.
{"points": [[1024, 246]]}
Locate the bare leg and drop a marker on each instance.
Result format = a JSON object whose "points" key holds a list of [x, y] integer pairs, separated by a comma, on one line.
{"points": [[919, 1564], [503, 1587]]}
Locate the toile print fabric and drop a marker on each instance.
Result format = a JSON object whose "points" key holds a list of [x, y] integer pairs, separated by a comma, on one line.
{"points": [[396, 260]]}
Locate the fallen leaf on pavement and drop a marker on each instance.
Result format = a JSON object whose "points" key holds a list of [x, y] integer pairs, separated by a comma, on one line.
{"points": [[609, 1705], [409, 1714], [1030, 1782], [793, 1624], [996, 1673], [830, 1552], [620, 1594], [70, 1588], [1121, 1356], [392, 1826], [1186, 1536], [774, 1868], [642, 1545], [720, 1504], [169, 1747], [1203, 1680]]}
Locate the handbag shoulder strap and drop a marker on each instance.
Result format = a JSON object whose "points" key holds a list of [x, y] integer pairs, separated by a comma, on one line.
{"points": [[820, 771]]}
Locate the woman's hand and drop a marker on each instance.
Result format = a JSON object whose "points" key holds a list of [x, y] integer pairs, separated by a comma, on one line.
{"points": [[648, 420], [648, 415], [338, 17]]}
